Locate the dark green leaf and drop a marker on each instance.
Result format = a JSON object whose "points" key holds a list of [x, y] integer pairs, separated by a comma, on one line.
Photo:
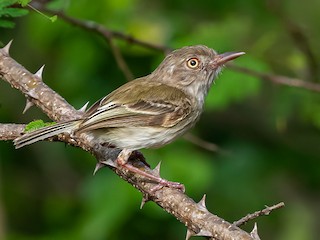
{"points": [[6, 3], [13, 12], [6, 24]]}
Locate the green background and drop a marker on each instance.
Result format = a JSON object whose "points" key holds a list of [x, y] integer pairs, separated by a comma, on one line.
{"points": [[268, 134]]}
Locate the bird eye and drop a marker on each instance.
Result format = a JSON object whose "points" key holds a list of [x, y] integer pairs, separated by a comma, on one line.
{"points": [[193, 63]]}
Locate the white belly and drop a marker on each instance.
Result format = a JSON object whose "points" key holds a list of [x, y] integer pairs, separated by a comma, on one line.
{"points": [[135, 138]]}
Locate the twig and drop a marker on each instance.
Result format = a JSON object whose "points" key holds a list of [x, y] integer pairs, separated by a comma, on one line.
{"points": [[263, 212], [109, 35], [102, 30], [202, 143], [302, 42], [120, 61], [299, 38], [283, 80], [106, 34]]}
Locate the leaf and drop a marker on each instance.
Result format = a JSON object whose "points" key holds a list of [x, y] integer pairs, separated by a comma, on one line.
{"points": [[53, 18], [7, 11], [6, 3], [6, 24], [34, 125], [13, 12]]}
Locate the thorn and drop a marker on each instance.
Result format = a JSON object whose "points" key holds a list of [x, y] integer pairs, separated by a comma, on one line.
{"points": [[109, 162], [156, 170], [99, 165], [202, 203], [84, 107], [254, 232], [32, 93], [190, 234], [144, 200], [204, 233], [29, 104], [39, 72], [6, 48]]}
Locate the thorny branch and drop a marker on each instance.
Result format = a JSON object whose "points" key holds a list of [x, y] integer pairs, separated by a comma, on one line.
{"points": [[264, 212], [199, 221], [10, 131]]}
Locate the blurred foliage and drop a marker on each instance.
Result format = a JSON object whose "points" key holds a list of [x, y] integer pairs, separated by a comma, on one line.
{"points": [[7, 11], [269, 133]]}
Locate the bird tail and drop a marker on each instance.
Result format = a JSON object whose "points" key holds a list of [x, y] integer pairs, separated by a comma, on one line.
{"points": [[45, 132]]}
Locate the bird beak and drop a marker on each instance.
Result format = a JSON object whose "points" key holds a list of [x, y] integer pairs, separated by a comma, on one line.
{"points": [[226, 57]]}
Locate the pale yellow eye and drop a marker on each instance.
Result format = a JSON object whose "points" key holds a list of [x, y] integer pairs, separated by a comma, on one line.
{"points": [[193, 63]]}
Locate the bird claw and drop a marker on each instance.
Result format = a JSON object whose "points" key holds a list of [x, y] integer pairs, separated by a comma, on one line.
{"points": [[157, 179]]}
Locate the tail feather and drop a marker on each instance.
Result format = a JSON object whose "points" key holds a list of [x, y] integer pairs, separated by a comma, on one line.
{"points": [[44, 133]]}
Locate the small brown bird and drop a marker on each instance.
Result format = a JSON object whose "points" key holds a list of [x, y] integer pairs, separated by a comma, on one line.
{"points": [[150, 111]]}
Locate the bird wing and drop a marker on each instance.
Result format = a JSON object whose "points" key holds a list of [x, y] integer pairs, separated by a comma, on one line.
{"points": [[138, 104]]}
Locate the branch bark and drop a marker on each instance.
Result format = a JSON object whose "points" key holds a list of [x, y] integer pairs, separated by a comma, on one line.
{"points": [[195, 216]]}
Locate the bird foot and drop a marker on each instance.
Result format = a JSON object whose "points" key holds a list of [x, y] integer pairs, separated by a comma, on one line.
{"points": [[122, 162]]}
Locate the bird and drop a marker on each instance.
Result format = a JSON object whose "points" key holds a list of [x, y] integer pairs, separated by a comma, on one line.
{"points": [[150, 111]]}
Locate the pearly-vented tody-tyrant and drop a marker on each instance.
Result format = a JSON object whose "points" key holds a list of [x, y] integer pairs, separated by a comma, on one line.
{"points": [[149, 111]]}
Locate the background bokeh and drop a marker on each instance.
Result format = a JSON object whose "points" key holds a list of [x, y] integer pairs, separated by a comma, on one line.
{"points": [[268, 134]]}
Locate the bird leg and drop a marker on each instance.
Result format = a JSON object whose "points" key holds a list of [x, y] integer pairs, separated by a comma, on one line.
{"points": [[122, 161]]}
